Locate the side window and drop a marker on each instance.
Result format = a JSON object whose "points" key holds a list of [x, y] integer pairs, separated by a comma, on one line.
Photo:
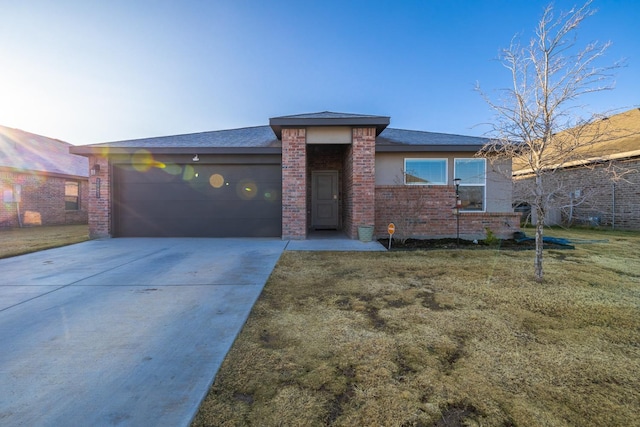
{"points": [[472, 174], [425, 171], [72, 195]]}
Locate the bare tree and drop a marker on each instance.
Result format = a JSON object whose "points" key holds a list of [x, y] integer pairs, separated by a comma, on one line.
{"points": [[537, 123]]}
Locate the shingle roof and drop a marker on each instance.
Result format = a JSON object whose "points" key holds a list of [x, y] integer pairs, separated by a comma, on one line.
{"points": [[266, 139], [259, 136], [26, 151], [391, 137], [610, 138], [619, 134]]}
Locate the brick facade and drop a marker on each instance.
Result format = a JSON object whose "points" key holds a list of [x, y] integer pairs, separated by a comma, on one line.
{"points": [[427, 212], [100, 198], [610, 203], [603, 201], [359, 181], [294, 184], [42, 200]]}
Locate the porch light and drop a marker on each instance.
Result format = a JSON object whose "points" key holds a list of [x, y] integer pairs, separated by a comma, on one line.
{"points": [[196, 158], [456, 209], [95, 169]]}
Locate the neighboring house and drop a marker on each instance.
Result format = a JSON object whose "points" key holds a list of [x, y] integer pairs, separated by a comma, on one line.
{"points": [[41, 183], [300, 174], [601, 187]]}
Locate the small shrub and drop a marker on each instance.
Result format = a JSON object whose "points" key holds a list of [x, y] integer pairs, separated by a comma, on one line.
{"points": [[491, 239]]}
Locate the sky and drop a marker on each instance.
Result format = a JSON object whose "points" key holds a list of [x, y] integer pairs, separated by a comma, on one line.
{"points": [[92, 71]]}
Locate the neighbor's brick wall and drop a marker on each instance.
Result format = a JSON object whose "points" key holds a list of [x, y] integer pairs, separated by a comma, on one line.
{"points": [[294, 184], [620, 209], [615, 206], [100, 207], [359, 181], [627, 194], [426, 212], [42, 201]]}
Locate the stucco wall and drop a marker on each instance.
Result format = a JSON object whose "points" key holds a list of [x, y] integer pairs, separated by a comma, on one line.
{"points": [[329, 135]]}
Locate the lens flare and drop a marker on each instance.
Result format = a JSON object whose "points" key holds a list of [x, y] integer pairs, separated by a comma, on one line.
{"points": [[216, 180], [188, 173], [247, 190], [173, 169], [271, 195], [143, 160]]}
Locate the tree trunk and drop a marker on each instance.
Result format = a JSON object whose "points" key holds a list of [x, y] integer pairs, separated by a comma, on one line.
{"points": [[537, 264]]}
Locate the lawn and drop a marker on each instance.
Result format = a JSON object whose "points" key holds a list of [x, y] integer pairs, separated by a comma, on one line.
{"points": [[18, 241], [440, 338]]}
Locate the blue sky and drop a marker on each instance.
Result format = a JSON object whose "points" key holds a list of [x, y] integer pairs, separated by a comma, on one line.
{"points": [[95, 71]]}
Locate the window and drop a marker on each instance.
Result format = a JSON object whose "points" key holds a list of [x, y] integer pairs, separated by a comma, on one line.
{"points": [[71, 195], [425, 171], [472, 174]]}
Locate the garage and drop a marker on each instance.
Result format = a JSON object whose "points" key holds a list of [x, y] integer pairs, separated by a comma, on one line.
{"points": [[197, 200]]}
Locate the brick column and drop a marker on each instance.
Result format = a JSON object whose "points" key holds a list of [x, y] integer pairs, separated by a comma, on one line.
{"points": [[362, 180], [100, 198], [294, 184]]}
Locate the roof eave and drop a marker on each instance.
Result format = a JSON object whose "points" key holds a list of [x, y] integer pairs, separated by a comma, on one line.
{"points": [[426, 148], [627, 155], [278, 123]]}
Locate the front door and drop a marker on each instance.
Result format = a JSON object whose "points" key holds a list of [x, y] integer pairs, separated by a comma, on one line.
{"points": [[324, 200]]}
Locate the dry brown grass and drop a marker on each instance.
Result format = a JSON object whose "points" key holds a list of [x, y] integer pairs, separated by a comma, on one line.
{"points": [[440, 338], [18, 241]]}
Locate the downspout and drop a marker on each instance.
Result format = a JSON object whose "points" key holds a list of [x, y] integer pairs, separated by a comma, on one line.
{"points": [[18, 211], [613, 206], [571, 209], [17, 197]]}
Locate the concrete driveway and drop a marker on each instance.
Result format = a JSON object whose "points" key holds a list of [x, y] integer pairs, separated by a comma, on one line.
{"points": [[123, 331]]}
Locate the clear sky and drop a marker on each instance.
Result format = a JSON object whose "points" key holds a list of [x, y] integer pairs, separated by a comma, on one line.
{"points": [[91, 71]]}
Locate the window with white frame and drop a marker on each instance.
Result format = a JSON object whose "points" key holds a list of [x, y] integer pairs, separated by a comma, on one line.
{"points": [[425, 171], [472, 174]]}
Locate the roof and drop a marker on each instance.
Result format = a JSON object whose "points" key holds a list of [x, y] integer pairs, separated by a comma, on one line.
{"points": [[609, 138], [267, 139], [620, 134], [26, 151], [259, 137], [412, 140]]}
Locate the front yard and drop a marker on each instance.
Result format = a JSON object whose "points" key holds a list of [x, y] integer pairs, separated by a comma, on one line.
{"points": [[18, 241], [440, 338]]}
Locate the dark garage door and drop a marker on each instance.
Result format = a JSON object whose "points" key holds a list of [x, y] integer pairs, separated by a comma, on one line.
{"points": [[198, 200]]}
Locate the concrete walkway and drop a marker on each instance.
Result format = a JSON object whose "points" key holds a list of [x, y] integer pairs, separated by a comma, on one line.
{"points": [[123, 331], [339, 245], [333, 241]]}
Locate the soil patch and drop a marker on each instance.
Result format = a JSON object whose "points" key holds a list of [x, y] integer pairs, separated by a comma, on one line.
{"points": [[434, 244]]}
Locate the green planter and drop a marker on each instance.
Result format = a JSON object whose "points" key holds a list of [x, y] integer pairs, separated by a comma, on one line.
{"points": [[365, 233]]}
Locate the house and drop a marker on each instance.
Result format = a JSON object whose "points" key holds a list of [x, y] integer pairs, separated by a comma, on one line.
{"points": [[600, 186], [298, 175], [40, 181]]}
